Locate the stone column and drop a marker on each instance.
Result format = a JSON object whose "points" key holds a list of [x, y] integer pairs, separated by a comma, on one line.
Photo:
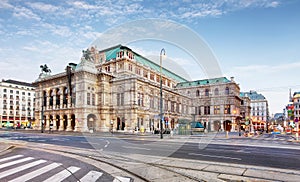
{"points": [[61, 97], [48, 100], [69, 101], [54, 101], [147, 123], [54, 123], [222, 125], [69, 127], [76, 128], [47, 122], [233, 125], [61, 125]]}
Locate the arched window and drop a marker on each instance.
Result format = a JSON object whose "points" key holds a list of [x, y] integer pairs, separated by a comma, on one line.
{"points": [[206, 92], [65, 95], [51, 98], [45, 98], [226, 91], [57, 97], [197, 93], [216, 91]]}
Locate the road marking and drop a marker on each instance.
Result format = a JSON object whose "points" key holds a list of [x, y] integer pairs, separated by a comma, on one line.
{"points": [[63, 174], [239, 151], [139, 148], [92, 143], [36, 173], [9, 158], [91, 176], [21, 168], [243, 151], [15, 162], [121, 179], [60, 139], [107, 143], [216, 156]]}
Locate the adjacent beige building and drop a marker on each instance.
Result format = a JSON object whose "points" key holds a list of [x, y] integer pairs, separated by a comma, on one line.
{"points": [[16, 103]]}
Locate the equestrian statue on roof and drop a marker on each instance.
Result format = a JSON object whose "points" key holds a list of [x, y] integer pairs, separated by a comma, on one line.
{"points": [[45, 69]]}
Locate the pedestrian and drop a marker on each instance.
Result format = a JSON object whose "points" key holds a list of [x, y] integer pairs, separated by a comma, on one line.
{"points": [[51, 127]]}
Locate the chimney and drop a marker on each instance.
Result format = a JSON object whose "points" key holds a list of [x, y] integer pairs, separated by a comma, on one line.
{"points": [[232, 79]]}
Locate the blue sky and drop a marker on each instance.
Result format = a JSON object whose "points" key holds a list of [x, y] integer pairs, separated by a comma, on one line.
{"points": [[256, 41]]}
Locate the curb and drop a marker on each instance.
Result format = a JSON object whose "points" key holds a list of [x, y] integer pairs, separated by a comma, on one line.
{"points": [[4, 147]]}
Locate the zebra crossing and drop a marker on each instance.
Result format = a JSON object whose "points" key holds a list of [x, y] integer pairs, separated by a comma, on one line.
{"points": [[20, 168], [253, 140]]}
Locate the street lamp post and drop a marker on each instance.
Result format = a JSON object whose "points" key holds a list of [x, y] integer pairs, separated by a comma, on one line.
{"points": [[42, 113], [233, 121], [162, 52], [112, 126], [0, 121], [239, 120], [297, 129]]}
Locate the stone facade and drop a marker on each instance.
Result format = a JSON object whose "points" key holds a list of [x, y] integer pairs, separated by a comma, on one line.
{"points": [[118, 89]]}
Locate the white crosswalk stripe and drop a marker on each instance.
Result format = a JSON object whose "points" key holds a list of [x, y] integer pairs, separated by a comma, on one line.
{"points": [[63, 174], [9, 158], [15, 162], [36, 173], [91, 176], [20, 168], [121, 179]]}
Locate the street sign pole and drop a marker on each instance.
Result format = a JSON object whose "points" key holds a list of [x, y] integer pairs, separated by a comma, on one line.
{"points": [[297, 130]]}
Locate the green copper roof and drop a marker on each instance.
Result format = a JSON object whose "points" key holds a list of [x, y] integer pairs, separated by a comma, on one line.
{"points": [[203, 82], [242, 94], [111, 53]]}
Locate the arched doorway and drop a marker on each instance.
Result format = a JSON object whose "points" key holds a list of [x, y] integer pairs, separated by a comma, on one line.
{"points": [[217, 125], [65, 122], [118, 123], [50, 121], [227, 125], [73, 121], [57, 120], [91, 122], [123, 124], [172, 124]]}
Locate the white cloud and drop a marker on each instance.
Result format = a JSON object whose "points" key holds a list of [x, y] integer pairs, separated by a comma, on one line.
{"points": [[23, 32], [82, 5], [22, 12], [91, 35], [268, 69], [60, 30], [5, 4], [42, 6], [31, 48], [273, 4]]}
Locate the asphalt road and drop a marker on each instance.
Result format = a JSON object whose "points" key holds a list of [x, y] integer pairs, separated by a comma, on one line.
{"points": [[284, 158], [259, 156]]}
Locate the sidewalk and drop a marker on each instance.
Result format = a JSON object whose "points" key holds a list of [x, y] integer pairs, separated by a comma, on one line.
{"points": [[212, 171], [4, 146]]}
